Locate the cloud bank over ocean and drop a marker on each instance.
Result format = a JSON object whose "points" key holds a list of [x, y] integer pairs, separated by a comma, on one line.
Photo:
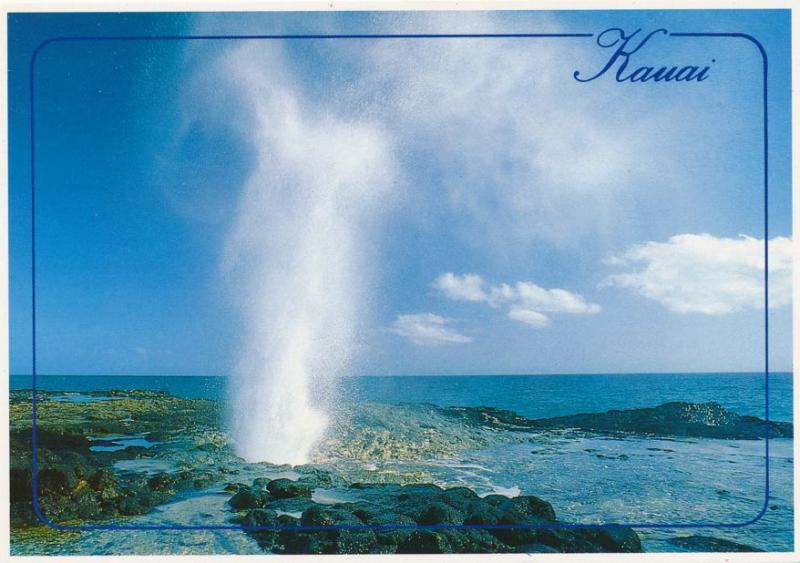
{"points": [[701, 273]]}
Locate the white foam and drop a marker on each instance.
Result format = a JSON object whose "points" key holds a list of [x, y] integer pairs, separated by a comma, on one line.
{"points": [[298, 254], [505, 491]]}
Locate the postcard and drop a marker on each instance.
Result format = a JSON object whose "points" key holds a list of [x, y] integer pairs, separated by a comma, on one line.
{"points": [[348, 282]]}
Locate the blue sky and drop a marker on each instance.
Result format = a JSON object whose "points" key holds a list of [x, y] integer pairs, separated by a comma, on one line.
{"points": [[414, 206]]}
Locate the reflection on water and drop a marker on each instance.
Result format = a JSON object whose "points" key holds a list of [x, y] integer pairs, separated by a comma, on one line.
{"points": [[113, 443], [145, 466]]}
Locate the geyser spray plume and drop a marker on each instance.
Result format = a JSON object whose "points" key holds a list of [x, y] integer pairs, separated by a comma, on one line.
{"points": [[299, 250]]}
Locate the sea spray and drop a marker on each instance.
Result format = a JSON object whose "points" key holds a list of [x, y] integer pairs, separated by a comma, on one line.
{"points": [[298, 254]]}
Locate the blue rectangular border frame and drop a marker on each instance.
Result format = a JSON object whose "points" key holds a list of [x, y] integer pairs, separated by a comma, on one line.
{"points": [[565, 525]]}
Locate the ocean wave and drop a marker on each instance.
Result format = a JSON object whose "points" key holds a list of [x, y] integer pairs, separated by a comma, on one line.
{"points": [[381, 432]]}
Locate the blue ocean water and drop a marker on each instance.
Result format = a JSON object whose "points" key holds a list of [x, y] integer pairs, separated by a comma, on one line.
{"points": [[589, 479], [533, 396]]}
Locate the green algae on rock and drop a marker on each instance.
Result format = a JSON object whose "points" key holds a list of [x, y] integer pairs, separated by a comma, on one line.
{"points": [[78, 483]]}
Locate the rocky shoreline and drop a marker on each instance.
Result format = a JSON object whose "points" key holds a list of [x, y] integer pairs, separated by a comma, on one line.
{"points": [[425, 518], [675, 419], [113, 455]]}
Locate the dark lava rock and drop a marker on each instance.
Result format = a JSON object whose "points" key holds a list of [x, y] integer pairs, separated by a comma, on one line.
{"points": [[286, 520], [356, 541], [21, 485], [439, 513], [708, 543], [390, 518], [320, 478], [160, 482], [495, 500], [329, 516], [385, 521], [303, 543], [131, 506], [459, 497], [528, 508], [262, 518], [587, 540], [366, 486], [474, 541], [425, 541], [389, 538], [234, 487], [415, 492], [520, 515], [141, 501], [54, 440], [57, 480], [483, 513], [259, 517], [74, 485], [336, 540], [186, 480], [105, 482], [249, 498], [612, 539], [700, 420], [366, 512], [286, 488]]}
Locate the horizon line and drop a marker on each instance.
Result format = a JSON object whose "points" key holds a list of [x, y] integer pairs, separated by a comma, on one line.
{"points": [[540, 374]]}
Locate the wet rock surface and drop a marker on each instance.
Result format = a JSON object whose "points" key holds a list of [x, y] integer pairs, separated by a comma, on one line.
{"points": [[675, 419], [79, 482], [424, 518], [378, 432]]}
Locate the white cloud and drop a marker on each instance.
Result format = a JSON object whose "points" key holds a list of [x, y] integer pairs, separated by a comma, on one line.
{"points": [[701, 273], [528, 316], [468, 287], [427, 329], [532, 296], [527, 301]]}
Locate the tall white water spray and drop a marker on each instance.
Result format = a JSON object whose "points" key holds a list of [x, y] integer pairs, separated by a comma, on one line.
{"points": [[300, 250]]}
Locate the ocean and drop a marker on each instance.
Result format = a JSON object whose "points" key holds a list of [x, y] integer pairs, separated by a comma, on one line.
{"points": [[654, 484], [533, 396]]}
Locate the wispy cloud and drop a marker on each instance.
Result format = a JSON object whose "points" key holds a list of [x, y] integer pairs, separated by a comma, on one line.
{"points": [[701, 273], [527, 301], [519, 174], [529, 316], [426, 329]]}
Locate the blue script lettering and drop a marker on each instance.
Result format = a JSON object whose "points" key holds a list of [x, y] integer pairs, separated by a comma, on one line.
{"points": [[621, 57]]}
